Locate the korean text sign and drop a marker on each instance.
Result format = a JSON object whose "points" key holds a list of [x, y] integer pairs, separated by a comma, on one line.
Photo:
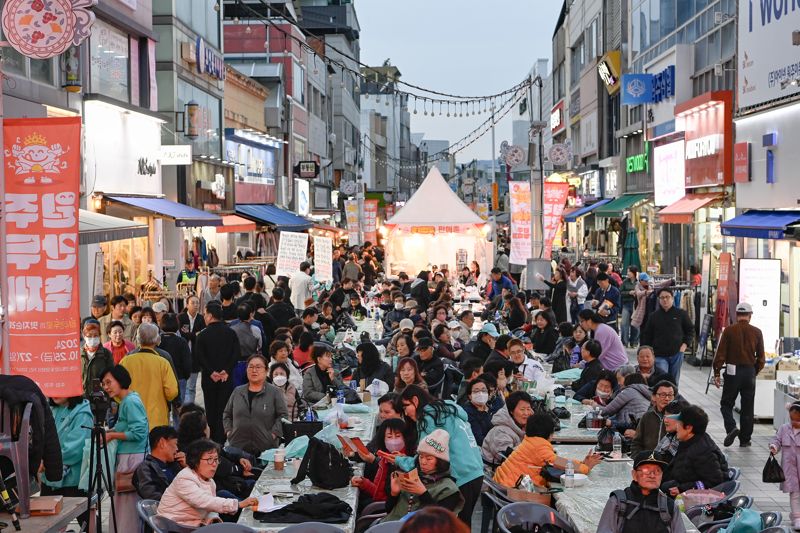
{"points": [[520, 222], [323, 258], [370, 220], [555, 197], [292, 250], [351, 212], [42, 177]]}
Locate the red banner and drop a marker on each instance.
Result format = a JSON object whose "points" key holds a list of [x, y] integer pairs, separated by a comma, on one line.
{"points": [[370, 223], [722, 317], [389, 211], [555, 197], [42, 183]]}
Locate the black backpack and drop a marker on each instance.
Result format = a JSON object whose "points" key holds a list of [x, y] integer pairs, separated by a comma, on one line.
{"points": [[627, 508], [324, 465]]}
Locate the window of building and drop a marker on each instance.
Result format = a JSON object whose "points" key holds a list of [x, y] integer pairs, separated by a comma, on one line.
{"points": [[201, 18], [109, 58], [299, 84], [577, 54], [40, 70], [208, 119]]}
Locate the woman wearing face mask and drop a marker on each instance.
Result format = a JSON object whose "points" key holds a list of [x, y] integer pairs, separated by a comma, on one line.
{"points": [[95, 359], [480, 419], [279, 353], [118, 345], [279, 376], [603, 390], [390, 438]]}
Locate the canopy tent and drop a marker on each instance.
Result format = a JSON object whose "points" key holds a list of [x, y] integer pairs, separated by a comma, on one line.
{"points": [[435, 227]]}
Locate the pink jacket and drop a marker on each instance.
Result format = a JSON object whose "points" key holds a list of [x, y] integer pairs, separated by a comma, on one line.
{"points": [[191, 501], [787, 440]]}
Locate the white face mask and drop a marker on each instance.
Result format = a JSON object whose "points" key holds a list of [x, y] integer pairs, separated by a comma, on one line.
{"points": [[394, 445], [603, 395], [279, 380], [480, 398], [399, 306], [92, 342]]}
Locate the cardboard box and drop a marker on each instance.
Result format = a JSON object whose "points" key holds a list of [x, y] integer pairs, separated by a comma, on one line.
{"points": [[518, 495], [46, 505], [768, 372]]}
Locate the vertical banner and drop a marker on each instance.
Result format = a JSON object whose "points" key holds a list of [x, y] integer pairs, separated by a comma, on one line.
{"points": [[760, 286], [371, 221], [351, 214], [555, 197], [42, 183], [483, 210], [722, 316], [292, 250], [495, 197], [520, 192], [323, 258], [389, 211]]}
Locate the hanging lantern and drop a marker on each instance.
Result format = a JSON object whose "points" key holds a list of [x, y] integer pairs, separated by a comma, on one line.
{"points": [[193, 119]]}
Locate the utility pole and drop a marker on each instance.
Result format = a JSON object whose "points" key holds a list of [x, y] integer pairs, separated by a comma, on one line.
{"points": [[537, 185], [494, 175]]}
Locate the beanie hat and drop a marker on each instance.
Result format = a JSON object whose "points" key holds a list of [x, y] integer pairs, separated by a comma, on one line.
{"points": [[436, 444]]}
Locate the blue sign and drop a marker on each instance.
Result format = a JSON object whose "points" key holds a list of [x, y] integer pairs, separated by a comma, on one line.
{"points": [[637, 89], [664, 84]]}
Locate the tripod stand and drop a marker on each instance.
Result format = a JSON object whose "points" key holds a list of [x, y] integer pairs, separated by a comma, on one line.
{"points": [[98, 477]]}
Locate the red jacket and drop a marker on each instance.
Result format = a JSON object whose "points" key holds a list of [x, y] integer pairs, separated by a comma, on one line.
{"points": [[376, 489]]}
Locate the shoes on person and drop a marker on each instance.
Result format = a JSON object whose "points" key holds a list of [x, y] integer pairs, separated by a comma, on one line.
{"points": [[745, 444], [730, 437]]}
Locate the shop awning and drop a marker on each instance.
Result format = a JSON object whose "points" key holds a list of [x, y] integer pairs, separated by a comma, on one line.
{"points": [[183, 215], [760, 224], [271, 215], [326, 227], [235, 224], [616, 207], [97, 227], [575, 214], [682, 211]]}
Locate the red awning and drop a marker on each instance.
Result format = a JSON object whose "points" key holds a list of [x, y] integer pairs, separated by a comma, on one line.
{"points": [[233, 223], [682, 211]]}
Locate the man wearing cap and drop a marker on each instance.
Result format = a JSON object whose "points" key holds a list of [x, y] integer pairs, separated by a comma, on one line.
{"points": [[98, 308], [642, 506], [188, 274], [741, 353], [430, 365], [485, 342]]}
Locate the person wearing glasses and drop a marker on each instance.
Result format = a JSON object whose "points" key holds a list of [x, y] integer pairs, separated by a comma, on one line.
{"points": [[252, 417], [191, 499], [651, 427], [642, 506], [669, 330]]}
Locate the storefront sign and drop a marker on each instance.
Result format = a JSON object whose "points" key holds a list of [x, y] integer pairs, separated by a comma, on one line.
{"points": [[639, 162], [768, 57], [307, 169], [370, 221], [302, 197], [648, 88], [388, 211], [664, 84], [44, 30], [292, 250], [520, 192], [555, 198], [741, 162], [41, 293], [146, 167], [760, 286], [255, 162], [702, 147], [557, 117], [609, 70], [323, 258], [668, 169], [209, 61], [707, 123], [176, 154], [351, 214]]}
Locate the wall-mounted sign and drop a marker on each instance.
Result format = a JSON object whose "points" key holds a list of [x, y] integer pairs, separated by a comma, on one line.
{"points": [[648, 88], [703, 146], [558, 154], [609, 70], [760, 286], [146, 167], [707, 123], [209, 61], [668, 173], [639, 162], [303, 197], [307, 169], [741, 162], [42, 30], [664, 84], [176, 154], [557, 117]]}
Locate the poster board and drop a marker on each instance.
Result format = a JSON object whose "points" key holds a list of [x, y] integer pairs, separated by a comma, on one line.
{"points": [[520, 193], [323, 258], [291, 252], [760, 286], [351, 214]]}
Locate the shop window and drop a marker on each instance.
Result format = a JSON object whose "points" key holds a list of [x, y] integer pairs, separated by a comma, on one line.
{"points": [[202, 19], [110, 59], [125, 264], [40, 70]]}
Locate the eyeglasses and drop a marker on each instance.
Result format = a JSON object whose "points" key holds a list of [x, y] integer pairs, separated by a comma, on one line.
{"points": [[652, 472], [665, 395], [662, 298], [256, 367], [210, 460]]}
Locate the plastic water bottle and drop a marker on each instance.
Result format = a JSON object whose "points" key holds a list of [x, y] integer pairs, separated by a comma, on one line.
{"points": [[616, 452], [680, 504], [309, 415], [569, 475], [340, 396]]}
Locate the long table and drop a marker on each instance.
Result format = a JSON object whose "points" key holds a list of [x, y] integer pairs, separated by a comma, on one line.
{"points": [[570, 433], [280, 480]]}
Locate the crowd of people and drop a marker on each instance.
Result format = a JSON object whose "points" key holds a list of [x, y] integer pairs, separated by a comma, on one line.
{"points": [[260, 351]]}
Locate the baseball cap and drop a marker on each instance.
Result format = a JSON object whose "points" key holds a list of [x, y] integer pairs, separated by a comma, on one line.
{"points": [[676, 416], [648, 457], [99, 301], [644, 277], [453, 324], [490, 329], [744, 307], [406, 323], [424, 343], [160, 307]]}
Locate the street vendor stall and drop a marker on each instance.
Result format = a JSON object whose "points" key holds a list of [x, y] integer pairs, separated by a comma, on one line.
{"points": [[436, 228]]}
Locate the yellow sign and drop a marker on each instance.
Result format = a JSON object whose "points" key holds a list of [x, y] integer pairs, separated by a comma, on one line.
{"points": [[609, 68], [495, 197]]}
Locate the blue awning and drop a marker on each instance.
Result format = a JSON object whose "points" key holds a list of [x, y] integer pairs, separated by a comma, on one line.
{"points": [[271, 215], [573, 216], [183, 215], [760, 224]]}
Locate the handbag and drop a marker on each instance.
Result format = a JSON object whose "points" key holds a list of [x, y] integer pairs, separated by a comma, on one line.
{"points": [[123, 482], [299, 428], [773, 473], [552, 473]]}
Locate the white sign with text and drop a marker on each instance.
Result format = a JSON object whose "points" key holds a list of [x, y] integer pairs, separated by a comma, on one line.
{"points": [[291, 252], [323, 258]]}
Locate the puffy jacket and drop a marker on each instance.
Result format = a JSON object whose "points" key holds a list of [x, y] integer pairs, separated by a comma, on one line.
{"points": [[632, 400], [505, 434], [154, 379], [192, 501], [480, 421], [255, 426], [698, 459], [74, 427], [532, 454]]}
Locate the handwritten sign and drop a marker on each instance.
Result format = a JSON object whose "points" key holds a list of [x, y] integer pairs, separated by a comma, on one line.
{"points": [[555, 197], [323, 258], [351, 213], [370, 221], [291, 252], [520, 192]]}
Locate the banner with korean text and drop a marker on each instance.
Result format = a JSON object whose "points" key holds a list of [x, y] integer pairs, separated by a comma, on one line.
{"points": [[351, 214], [323, 258], [520, 192], [371, 221], [555, 198], [292, 250], [42, 182]]}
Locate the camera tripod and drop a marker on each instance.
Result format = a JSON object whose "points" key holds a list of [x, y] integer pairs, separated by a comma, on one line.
{"points": [[100, 476]]}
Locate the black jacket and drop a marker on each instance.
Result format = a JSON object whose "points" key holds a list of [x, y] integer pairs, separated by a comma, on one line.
{"points": [[150, 480], [665, 331], [698, 459], [559, 299], [589, 373], [217, 349], [433, 370], [282, 312], [383, 373], [189, 332], [481, 350], [178, 348], [544, 340], [94, 368]]}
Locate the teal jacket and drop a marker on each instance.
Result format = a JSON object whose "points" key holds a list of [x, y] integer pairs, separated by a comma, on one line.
{"points": [[74, 427], [132, 420], [465, 455]]}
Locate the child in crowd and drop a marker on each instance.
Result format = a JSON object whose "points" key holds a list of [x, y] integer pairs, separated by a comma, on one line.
{"points": [[787, 441]]}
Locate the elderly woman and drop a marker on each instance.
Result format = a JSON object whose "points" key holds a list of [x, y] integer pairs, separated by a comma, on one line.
{"points": [[118, 345], [131, 430], [321, 378], [279, 376], [279, 353], [252, 417], [191, 499], [405, 346]]}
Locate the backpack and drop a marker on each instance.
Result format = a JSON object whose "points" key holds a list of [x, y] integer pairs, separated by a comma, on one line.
{"points": [[744, 521], [626, 508], [324, 465]]}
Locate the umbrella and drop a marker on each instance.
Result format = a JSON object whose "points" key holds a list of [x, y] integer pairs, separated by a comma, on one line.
{"points": [[630, 250]]}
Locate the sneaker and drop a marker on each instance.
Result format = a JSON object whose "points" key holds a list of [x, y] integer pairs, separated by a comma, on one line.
{"points": [[730, 437], [745, 444]]}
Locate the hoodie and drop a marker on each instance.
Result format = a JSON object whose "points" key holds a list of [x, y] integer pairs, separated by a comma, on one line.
{"points": [[505, 434], [632, 400], [74, 427]]}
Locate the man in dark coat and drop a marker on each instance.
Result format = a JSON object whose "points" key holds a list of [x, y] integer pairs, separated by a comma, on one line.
{"points": [[154, 474]]}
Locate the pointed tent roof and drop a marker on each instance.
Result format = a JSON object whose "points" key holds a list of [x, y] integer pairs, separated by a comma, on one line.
{"points": [[434, 203]]}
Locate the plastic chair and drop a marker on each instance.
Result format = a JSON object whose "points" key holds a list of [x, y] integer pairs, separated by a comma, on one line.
{"points": [[312, 527], [225, 527], [372, 512], [698, 513], [728, 488], [771, 519], [529, 515], [14, 444], [734, 473], [162, 524], [386, 527], [490, 506], [146, 509]]}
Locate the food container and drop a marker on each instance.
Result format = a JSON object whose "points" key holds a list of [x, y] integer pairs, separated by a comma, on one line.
{"points": [[580, 479]]}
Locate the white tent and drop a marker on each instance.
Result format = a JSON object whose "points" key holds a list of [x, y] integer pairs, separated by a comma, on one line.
{"points": [[436, 228]]}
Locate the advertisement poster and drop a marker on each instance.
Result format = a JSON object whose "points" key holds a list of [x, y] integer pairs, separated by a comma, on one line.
{"points": [[520, 192], [483, 210], [42, 177], [555, 198], [668, 173], [370, 221], [323, 258], [724, 290], [292, 250], [389, 211], [760, 286], [351, 214]]}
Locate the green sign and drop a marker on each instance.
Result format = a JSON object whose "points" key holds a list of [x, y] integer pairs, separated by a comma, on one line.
{"points": [[640, 162]]}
